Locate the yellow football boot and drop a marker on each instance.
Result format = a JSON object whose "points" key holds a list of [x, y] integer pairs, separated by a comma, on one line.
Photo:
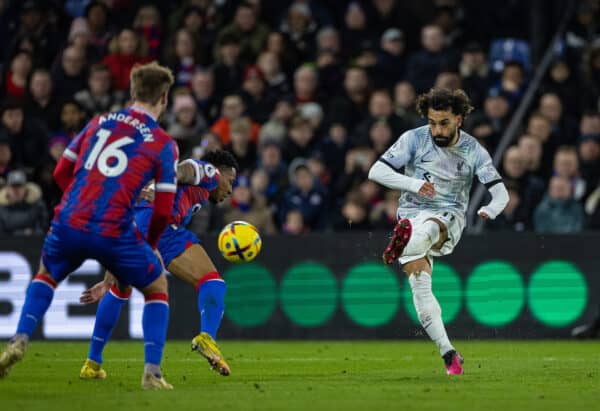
{"points": [[92, 370], [208, 348], [153, 382], [15, 351]]}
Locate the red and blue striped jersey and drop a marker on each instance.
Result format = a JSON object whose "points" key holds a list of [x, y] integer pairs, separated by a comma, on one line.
{"points": [[190, 197], [115, 156]]}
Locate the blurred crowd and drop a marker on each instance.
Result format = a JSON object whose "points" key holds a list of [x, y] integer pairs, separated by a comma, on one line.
{"points": [[306, 95]]}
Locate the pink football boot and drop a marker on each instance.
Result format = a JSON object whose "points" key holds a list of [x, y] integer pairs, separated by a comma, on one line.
{"points": [[453, 362]]}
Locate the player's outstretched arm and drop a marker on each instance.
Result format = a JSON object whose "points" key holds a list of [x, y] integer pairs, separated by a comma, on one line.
{"points": [[499, 200], [385, 175]]}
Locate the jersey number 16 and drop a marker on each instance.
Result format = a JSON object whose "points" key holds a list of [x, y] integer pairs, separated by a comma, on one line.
{"points": [[100, 155]]}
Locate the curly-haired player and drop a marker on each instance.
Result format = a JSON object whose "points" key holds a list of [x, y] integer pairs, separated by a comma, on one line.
{"points": [[439, 162], [198, 181]]}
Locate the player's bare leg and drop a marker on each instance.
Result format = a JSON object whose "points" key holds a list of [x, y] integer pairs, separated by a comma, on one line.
{"points": [[17, 346], [192, 266], [430, 235], [156, 298]]}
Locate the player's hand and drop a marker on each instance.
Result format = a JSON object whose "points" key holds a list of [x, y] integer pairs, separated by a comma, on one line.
{"points": [[427, 190], [94, 294], [147, 194], [483, 215]]}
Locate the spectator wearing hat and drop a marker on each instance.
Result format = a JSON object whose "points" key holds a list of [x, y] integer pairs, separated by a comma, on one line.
{"points": [[475, 73], [258, 100], [98, 97], [233, 108], [228, 70], [391, 58], [22, 211], [425, 64], [41, 103], [249, 206], [186, 124], [246, 27], [28, 139], [242, 148], [306, 195]]}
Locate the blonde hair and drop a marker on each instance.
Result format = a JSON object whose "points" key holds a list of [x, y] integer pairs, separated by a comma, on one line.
{"points": [[149, 82]]}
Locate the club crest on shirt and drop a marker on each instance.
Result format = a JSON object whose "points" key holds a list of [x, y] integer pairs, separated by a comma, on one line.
{"points": [[459, 168]]}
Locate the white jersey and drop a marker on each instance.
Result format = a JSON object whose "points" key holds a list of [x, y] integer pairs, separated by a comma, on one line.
{"points": [[450, 169]]}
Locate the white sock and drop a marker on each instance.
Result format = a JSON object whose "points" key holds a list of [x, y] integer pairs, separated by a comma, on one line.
{"points": [[429, 310], [423, 239]]}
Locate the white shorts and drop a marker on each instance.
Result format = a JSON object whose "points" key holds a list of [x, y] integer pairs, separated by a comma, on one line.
{"points": [[454, 223]]}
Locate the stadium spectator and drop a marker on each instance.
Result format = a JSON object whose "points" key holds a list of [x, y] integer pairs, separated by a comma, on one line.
{"points": [[126, 50], [228, 71], [232, 109], [566, 165], [514, 217], [559, 212], [425, 64], [251, 207], [183, 56], [98, 96], [22, 212], [96, 15], [271, 161], [539, 127], [275, 79], [353, 214], [241, 146], [259, 101], [305, 195], [532, 151], [41, 104], [203, 91], [449, 79], [147, 22], [28, 139], [564, 128], [300, 30], [306, 82], [405, 98], [186, 124], [475, 73], [6, 163], [356, 168], [300, 141], [391, 58], [294, 223], [380, 112], [246, 27], [15, 79], [512, 83], [589, 154], [355, 31], [488, 125], [72, 120], [68, 73], [351, 106], [383, 215], [564, 84]]}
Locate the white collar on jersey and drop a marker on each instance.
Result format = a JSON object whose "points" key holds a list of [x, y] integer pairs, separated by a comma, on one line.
{"points": [[142, 110]]}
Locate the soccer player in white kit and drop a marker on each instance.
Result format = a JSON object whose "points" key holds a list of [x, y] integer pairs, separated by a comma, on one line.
{"points": [[434, 166]]}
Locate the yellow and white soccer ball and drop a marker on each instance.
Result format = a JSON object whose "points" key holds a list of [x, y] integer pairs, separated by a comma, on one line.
{"points": [[239, 242]]}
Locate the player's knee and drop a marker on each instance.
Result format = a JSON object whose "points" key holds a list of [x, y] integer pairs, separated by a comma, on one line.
{"points": [[417, 266], [160, 285]]}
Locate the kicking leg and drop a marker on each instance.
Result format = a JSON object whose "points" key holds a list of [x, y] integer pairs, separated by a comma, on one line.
{"points": [[195, 267]]}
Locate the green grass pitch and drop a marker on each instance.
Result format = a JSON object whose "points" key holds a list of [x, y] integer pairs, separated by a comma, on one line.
{"points": [[315, 375]]}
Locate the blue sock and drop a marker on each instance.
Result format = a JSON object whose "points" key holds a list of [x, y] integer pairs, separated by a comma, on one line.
{"points": [[107, 316], [37, 300], [155, 321], [211, 304]]}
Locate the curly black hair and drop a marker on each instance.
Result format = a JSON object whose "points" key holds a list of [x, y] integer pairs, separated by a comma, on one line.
{"points": [[221, 158], [443, 99]]}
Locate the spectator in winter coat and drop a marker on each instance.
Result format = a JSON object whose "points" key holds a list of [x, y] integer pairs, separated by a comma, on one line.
{"points": [[559, 212], [22, 211]]}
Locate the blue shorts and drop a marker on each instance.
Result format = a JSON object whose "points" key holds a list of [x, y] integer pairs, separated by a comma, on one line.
{"points": [[128, 256], [173, 241]]}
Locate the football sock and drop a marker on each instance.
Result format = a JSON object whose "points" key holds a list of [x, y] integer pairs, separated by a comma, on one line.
{"points": [[37, 300], [211, 302], [429, 310], [155, 320], [423, 239], [107, 316]]}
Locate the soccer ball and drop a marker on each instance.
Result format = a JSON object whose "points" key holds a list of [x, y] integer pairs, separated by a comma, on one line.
{"points": [[239, 241]]}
